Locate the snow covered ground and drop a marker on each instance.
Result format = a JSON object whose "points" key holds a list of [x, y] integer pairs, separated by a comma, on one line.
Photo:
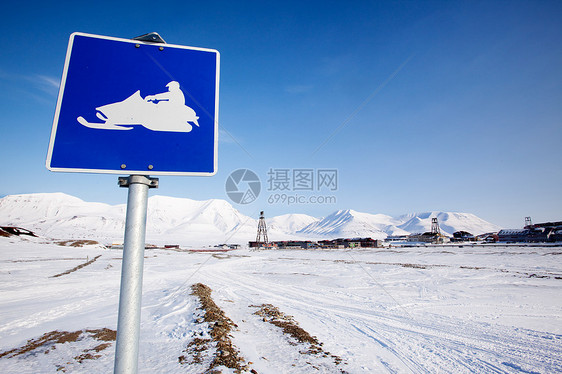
{"points": [[441, 309]]}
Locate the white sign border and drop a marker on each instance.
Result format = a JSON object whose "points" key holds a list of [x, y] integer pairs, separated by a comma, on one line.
{"points": [[126, 171]]}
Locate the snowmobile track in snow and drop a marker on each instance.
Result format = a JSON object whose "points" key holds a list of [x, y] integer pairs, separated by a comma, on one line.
{"points": [[219, 351], [397, 338], [77, 267], [291, 328], [226, 354]]}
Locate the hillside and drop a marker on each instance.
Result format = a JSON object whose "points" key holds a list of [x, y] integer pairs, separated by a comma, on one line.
{"points": [[192, 222]]}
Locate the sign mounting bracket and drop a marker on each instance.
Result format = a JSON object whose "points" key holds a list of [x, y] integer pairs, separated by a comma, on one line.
{"points": [[151, 37]]}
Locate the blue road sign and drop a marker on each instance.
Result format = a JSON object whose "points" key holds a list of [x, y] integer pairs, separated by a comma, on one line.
{"points": [[127, 106]]}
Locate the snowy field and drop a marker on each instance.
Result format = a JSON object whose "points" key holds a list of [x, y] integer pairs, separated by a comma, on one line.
{"points": [[485, 309]]}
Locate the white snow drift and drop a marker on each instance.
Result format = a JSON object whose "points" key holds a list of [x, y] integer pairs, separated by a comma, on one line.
{"points": [[486, 309]]}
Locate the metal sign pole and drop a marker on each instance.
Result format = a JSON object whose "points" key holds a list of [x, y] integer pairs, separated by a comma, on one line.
{"points": [[130, 296], [128, 324], [176, 146]]}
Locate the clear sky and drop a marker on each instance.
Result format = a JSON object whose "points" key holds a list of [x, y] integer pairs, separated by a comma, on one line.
{"points": [[420, 106]]}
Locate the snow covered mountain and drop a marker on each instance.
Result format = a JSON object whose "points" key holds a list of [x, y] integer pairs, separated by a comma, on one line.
{"points": [[448, 222], [169, 220], [58, 214], [185, 221], [352, 224], [290, 223], [349, 223]]}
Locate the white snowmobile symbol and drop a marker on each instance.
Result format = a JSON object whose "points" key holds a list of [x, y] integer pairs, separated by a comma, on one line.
{"points": [[161, 112]]}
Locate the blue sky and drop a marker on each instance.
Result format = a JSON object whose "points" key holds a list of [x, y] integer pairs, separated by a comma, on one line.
{"points": [[444, 105]]}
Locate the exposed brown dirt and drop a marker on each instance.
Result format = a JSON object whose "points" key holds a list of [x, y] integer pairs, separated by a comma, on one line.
{"points": [[271, 314], [195, 348], [83, 357], [77, 267], [77, 243], [406, 265], [45, 259], [220, 327], [48, 341], [18, 231], [223, 256], [106, 335]]}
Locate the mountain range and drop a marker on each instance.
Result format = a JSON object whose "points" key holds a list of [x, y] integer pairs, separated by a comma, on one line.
{"points": [[192, 222]]}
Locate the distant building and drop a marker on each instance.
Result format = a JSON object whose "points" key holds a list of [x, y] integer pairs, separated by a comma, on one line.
{"points": [[556, 235], [419, 237], [434, 236], [261, 245], [350, 243], [489, 237], [463, 236], [330, 244], [295, 244], [531, 234], [322, 244], [428, 237], [539, 235], [396, 238], [548, 231], [227, 246]]}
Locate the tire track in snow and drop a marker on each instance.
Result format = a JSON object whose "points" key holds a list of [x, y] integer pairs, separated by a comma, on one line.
{"points": [[77, 267], [441, 343], [270, 291]]}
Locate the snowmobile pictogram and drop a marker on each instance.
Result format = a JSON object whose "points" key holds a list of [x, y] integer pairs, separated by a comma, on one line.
{"points": [[161, 112]]}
